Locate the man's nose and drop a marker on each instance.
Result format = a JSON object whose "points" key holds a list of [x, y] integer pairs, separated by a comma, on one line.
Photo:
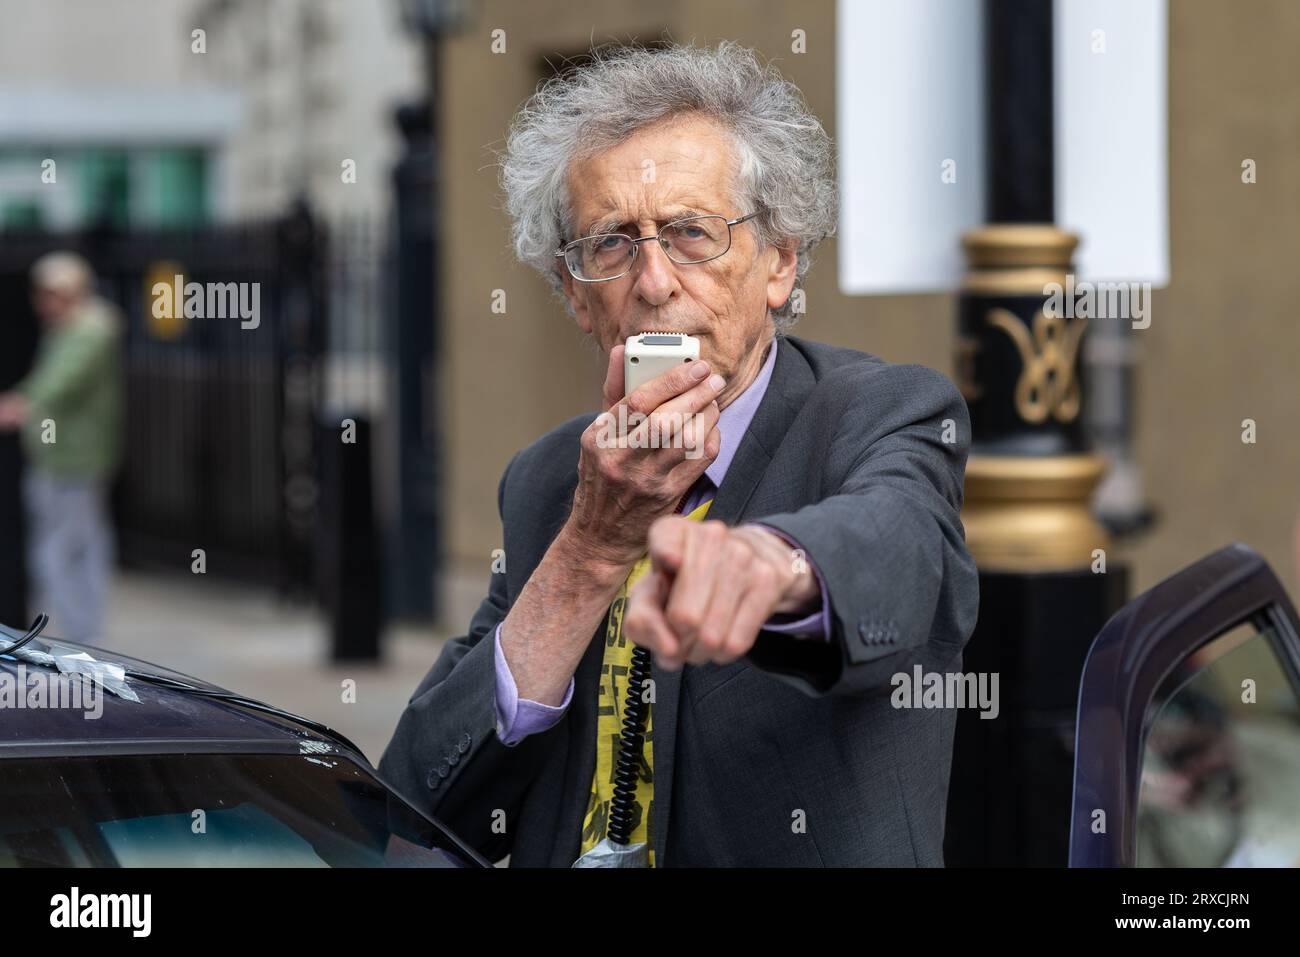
{"points": [[656, 274]]}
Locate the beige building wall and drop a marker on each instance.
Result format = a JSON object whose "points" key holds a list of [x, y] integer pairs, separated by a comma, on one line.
{"points": [[1224, 341], [1222, 345]]}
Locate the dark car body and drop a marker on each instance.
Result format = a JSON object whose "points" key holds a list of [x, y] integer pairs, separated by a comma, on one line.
{"points": [[189, 774], [1187, 752]]}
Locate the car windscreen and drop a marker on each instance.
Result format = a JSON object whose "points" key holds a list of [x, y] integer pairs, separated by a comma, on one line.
{"points": [[209, 810]]}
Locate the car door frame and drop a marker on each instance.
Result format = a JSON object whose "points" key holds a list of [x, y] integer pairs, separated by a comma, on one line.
{"points": [[1130, 659]]}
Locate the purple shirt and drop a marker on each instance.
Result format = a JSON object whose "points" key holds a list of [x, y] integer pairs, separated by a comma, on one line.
{"points": [[519, 717]]}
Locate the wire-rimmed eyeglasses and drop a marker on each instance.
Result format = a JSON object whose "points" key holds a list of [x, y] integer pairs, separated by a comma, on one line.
{"points": [[606, 256]]}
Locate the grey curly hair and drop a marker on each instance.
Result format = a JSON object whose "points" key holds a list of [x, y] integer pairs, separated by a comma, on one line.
{"points": [[784, 160]]}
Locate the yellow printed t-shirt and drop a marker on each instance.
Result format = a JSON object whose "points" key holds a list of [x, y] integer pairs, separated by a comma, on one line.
{"points": [[610, 700]]}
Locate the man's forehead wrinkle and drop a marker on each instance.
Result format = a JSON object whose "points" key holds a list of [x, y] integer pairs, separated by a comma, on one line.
{"points": [[613, 209], [673, 211], [690, 178]]}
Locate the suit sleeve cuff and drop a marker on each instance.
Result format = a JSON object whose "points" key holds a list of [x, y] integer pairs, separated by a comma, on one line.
{"points": [[814, 625], [518, 717]]}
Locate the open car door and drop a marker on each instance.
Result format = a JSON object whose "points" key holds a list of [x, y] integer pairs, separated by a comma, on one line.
{"points": [[1187, 749]]}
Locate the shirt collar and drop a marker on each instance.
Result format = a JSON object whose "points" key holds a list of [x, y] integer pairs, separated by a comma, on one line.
{"points": [[734, 421]]}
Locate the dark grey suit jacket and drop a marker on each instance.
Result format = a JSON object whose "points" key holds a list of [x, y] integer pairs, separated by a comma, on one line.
{"points": [[792, 755]]}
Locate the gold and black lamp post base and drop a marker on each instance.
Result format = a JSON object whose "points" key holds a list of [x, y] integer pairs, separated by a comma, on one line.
{"points": [[1030, 476], [1031, 514], [1047, 582]]}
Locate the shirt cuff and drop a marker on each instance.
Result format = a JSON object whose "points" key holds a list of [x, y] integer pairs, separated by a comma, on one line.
{"points": [[814, 625], [518, 717]]}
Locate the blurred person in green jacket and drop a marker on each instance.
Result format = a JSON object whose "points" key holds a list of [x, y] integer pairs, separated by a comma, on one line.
{"points": [[69, 408]]}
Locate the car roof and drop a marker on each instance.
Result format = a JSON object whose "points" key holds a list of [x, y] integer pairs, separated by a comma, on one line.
{"points": [[163, 719]]}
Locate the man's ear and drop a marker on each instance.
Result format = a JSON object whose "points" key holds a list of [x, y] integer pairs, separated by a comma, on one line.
{"points": [[783, 263], [577, 300]]}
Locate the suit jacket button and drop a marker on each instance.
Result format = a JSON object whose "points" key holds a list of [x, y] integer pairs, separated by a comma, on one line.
{"points": [[463, 744], [433, 781], [453, 759], [444, 769]]}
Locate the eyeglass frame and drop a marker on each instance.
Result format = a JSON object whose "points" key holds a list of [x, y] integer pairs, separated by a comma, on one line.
{"points": [[637, 240]]}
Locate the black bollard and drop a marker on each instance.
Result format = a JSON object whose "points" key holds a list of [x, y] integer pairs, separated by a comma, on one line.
{"points": [[349, 572]]}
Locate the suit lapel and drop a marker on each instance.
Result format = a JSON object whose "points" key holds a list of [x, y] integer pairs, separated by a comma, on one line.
{"points": [[787, 391]]}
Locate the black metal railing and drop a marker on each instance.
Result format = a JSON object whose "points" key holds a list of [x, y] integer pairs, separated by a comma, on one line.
{"points": [[219, 442]]}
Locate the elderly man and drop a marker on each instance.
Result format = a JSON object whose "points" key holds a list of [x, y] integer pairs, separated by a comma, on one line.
{"points": [[779, 580], [69, 408]]}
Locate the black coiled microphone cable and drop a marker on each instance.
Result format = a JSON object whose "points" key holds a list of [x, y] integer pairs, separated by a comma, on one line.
{"points": [[630, 742]]}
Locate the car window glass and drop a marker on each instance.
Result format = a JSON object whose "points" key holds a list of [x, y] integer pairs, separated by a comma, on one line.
{"points": [[209, 810], [1221, 760]]}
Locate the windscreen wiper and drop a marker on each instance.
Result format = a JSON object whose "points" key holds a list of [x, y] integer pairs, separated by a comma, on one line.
{"points": [[38, 626]]}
